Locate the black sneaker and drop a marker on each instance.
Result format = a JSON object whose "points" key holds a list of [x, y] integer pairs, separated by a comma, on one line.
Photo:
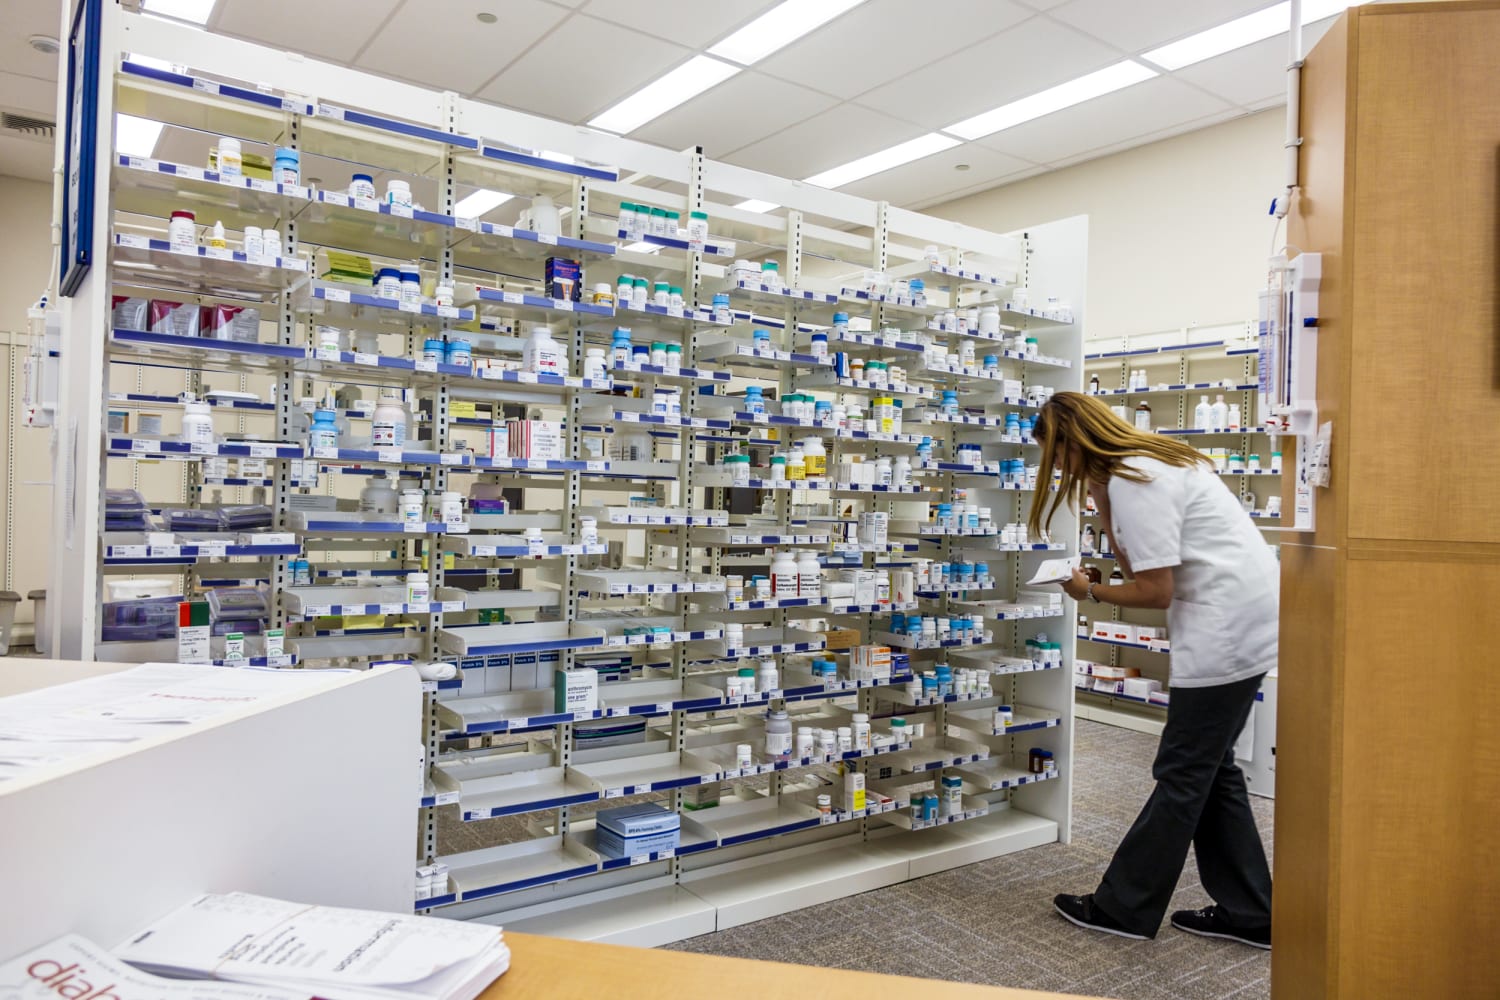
{"points": [[1082, 911], [1210, 922]]}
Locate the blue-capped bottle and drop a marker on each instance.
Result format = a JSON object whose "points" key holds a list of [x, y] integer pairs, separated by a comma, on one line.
{"points": [[324, 432]]}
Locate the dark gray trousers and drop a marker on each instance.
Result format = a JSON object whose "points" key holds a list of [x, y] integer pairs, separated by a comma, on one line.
{"points": [[1199, 799]]}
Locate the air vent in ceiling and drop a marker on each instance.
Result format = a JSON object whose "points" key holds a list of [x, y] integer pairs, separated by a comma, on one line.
{"points": [[39, 128]]}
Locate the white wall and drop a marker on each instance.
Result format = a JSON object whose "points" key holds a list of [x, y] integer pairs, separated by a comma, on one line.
{"points": [[1178, 230], [25, 263]]}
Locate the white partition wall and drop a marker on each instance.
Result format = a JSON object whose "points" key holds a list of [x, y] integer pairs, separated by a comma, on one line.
{"points": [[876, 311], [272, 799]]}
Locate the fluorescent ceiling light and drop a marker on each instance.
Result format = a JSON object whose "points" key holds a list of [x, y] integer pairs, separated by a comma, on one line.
{"points": [[480, 202], [1064, 95], [779, 27], [196, 11], [136, 136], [663, 94], [756, 205], [555, 157], [1242, 31], [885, 159]]}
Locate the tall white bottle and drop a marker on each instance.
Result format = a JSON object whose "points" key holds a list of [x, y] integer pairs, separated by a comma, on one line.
{"points": [[1202, 413], [542, 354], [1220, 415], [1234, 416]]}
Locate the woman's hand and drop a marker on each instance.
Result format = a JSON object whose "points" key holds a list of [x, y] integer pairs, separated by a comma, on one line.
{"points": [[1078, 587]]}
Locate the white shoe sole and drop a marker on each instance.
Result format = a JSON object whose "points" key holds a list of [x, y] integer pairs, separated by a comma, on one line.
{"points": [[1095, 927], [1224, 937]]}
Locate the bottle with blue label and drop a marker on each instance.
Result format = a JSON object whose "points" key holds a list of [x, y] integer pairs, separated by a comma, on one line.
{"points": [[432, 350], [950, 402], [324, 432], [459, 352], [755, 400]]}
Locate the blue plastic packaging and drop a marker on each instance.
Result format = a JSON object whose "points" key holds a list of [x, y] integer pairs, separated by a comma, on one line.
{"points": [[432, 350], [288, 168], [324, 432], [460, 352]]}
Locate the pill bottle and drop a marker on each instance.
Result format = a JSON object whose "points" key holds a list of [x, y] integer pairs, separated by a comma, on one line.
{"points": [[182, 232], [697, 230], [378, 497], [362, 186], [418, 590], [767, 678], [398, 192], [324, 432], [412, 504], [197, 423], [388, 422], [288, 166], [231, 162], [459, 352]]}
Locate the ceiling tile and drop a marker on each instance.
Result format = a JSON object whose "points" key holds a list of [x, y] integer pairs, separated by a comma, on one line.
{"points": [[606, 62], [690, 22], [339, 30], [836, 136], [1144, 24], [933, 178], [1148, 138], [22, 20], [1252, 74], [870, 45], [1125, 114], [741, 110], [1030, 57], [27, 93], [454, 51]]}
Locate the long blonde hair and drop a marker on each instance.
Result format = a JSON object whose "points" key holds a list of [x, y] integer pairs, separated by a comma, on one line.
{"points": [[1103, 442]]}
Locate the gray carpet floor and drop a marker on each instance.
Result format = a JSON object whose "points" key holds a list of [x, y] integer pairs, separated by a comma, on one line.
{"points": [[993, 922]]}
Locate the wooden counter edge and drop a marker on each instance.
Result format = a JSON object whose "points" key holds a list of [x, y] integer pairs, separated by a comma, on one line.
{"points": [[546, 966]]}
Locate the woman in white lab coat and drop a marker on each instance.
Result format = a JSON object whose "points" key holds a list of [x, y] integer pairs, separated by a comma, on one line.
{"points": [[1186, 546]]}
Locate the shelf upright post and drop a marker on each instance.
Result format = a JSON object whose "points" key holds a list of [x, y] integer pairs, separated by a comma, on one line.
{"points": [[574, 479], [447, 195], [686, 459], [285, 392]]}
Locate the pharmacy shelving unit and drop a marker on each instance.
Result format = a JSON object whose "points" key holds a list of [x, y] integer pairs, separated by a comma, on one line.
{"points": [[1181, 367], [519, 593]]}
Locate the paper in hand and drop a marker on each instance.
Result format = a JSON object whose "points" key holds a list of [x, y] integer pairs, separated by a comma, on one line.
{"points": [[1054, 571]]}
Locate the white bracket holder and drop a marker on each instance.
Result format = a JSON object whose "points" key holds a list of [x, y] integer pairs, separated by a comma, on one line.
{"points": [[1288, 393]]}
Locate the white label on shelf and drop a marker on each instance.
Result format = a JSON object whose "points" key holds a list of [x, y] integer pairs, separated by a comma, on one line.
{"points": [[448, 312], [262, 451], [527, 377], [293, 263], [294, 104], [613, 793], [451, 458], [207, 86], [449, 607], [392, 609], [401, 211], [639, 859], [388, 456], [145, 446], [675, 312], [317, 610], [128, 551], [218, 253], [414, 527], [213, 550], [536, 547], [336, 294], [410, 307], [128, 240], [328, 354], [629, 417], [368, 360], [267, 187], [514, 298], [664, 855], [366, 204], [596, 465], [547, 238], [461, 528], [325, 453], [445, 799], [566, 305], [427, 366], [472, 225], [336, 198]]}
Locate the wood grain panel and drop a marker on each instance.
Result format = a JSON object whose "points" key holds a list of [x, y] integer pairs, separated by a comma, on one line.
{"points": [[1421, 810], [1309, 723], [1309, 717], [1425, 345], [552, 967]]}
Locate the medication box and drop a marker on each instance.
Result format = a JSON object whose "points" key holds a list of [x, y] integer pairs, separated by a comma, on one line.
{"points": [[854, 791], [536, 439], [1141, 687], [841, 638], [1121, 632], [575, 691], [640, 829], [1102, 630], [564, 278]]}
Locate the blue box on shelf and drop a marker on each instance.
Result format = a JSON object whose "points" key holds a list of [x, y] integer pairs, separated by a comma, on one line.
{"points": [[641, 829]]}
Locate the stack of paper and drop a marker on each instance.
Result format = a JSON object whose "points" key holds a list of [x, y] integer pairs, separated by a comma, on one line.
{"points": [[336, 954], [74, 966]]}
